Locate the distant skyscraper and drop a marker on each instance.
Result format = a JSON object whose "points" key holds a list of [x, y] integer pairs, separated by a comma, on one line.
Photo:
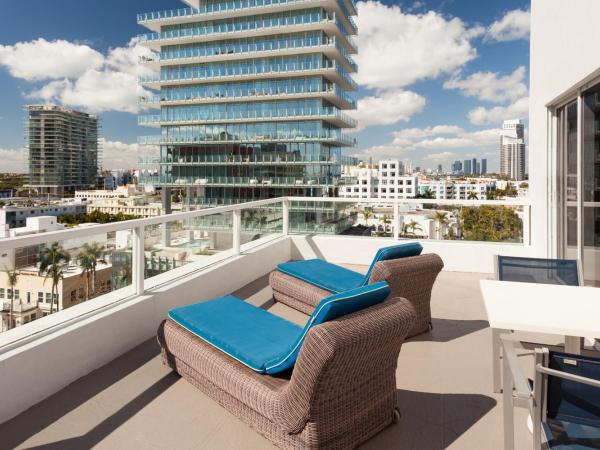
{"points": [[63, 149], [477, 168], [457, 167], [439, 169], [483, 166], [467, 170], [512, 149]]}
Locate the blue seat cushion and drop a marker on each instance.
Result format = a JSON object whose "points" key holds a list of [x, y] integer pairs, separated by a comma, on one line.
{"points": [[565, 435], [325, 275], [260, 340], [336, 279]]}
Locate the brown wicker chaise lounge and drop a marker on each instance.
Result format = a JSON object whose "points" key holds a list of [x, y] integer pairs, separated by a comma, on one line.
{"points": [[341, 391], [411, 278]]}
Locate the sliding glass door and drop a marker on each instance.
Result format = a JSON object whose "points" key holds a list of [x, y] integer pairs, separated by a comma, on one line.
{"points": [[579, 181]]}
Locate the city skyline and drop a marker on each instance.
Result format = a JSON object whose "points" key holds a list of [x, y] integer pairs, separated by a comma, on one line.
{"points": [[435, 112]]}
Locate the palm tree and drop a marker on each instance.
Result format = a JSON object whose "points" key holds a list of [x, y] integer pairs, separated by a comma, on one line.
{"points": [[366, 216], [86, 262], [53, 264], [93, 253], [385, 220], [414, 226], [441, 219], [56, 273], [11, 279], [472, 195]]}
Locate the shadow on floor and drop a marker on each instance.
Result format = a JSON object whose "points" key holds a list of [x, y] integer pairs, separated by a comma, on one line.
{"points": [[446, 330], [22, 427], [432, 421]]}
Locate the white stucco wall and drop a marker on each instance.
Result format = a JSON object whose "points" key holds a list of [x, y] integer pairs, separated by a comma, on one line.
{"points": [[564, 51]]}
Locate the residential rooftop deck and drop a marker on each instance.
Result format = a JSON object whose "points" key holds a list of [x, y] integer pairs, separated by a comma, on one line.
{"points": [[444, 392]]}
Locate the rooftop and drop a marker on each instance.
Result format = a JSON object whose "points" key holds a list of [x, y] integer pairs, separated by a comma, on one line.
{"points": [[443, 378]]}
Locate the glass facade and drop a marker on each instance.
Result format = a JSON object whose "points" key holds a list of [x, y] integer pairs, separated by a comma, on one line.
{"points": [[240, 122]]}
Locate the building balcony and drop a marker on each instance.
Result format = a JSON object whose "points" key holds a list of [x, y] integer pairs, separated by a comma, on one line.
{"points": [[225, 138], [239, 181], [329, 23], [238, 160], [333, 94], [225, 10], [331, 47], [112, 389], [331, 115], [334, 73]]}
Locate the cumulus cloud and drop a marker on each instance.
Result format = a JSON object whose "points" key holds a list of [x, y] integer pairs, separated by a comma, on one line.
{"points": [[491, 86], [484, 116], [42, 60], [440, 142], [399, 48], [515, 25], [13, 160], [120, 155], [79, 76], [388, 107]]}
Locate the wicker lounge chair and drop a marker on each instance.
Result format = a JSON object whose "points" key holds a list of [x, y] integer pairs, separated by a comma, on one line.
{"points": [[341, 391], [410, 277]]}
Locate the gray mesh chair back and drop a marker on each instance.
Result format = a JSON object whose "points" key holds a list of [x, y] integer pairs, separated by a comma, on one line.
{"points": [[567, 389], [538, 270]]}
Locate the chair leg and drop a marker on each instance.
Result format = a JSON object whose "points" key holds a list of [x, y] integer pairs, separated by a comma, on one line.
{"points": [[396, 415], [497, 359]]}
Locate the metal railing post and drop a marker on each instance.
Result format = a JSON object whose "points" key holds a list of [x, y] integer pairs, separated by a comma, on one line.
{"points": [[286, 216], [237, 230], [396, 221], [137, 260]]}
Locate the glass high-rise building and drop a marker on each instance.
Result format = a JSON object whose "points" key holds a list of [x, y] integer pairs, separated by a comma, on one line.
{"points": [[252, 95]]}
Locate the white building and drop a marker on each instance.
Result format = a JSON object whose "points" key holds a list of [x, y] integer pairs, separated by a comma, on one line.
{"points": [[456, 190], [360, 183], [512, 149], [16, 215], [125, 199]]}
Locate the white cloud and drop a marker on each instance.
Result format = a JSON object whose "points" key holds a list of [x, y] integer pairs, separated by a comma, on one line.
{"points": [[13, 160], [515, 24], [440, 142], [388, 107], [398, 48], [81, 77], [491, 86], [483, 116], [120, 155], [42, 60]]}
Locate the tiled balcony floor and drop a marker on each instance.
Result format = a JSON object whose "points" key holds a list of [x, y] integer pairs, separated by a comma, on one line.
{"points": [[444, 391]]}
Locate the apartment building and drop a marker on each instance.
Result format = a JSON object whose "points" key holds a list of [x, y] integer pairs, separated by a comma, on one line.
{"points": [[512, 149], [360, 182], [455, 189], [127, 199], [63, 149], [386, 182], [251, 97], [16, 215]]}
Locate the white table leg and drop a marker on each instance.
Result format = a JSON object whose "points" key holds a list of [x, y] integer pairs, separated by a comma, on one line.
{"points": [[508, 407], [496, 359], [573, 344]]}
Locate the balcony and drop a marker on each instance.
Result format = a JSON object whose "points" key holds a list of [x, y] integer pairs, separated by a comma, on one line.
{"points": [[331, 115], [333, 94], [220, 10], [130, 399]]}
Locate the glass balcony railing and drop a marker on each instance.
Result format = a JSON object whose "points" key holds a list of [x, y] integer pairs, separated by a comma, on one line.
{"points": [[232, 71], [274, 88], [249, 114], [246, 181], [273, 21], [332, 137], [227, 6], [279, 159]]}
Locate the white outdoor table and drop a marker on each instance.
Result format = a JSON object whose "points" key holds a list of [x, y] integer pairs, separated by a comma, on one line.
{"points": [[570, 311]]}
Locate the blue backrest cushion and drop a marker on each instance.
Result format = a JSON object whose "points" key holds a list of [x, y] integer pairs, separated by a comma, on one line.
{"points": [[570, 401], [538, 270], [394, 252], [331, 308]]}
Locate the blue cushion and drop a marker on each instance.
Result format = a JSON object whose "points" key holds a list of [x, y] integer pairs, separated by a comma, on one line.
{"points": [[394, 252], [249, 334], [331, 277], [260, 340], [336, 279]]}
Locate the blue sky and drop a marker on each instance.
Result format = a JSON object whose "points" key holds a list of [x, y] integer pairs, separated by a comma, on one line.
{"points": [[437, 77]]}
